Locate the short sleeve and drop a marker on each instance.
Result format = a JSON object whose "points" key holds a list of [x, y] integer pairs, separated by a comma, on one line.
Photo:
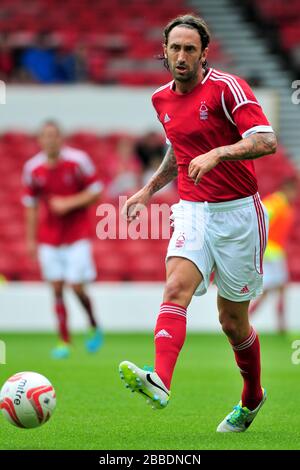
{"points": [[30, 192], [88, 173], [242, 108], [157, 115]]}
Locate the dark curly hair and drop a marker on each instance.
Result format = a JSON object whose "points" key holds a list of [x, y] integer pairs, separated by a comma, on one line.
{"points": [[192, 22]]}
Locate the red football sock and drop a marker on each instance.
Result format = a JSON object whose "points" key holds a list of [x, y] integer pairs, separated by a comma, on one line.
{"points": [[62, 319], [170, 332], [247, 356]]}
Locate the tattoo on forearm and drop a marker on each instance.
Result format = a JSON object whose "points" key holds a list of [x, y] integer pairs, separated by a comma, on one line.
{"points": [[250, 148], [165, 173]]}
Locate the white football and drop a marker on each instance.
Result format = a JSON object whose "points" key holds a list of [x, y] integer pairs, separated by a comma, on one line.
{"points": [[27, 399]]}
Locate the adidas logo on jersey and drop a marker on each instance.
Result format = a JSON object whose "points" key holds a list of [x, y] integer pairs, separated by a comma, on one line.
{"points": [[245, 290], [167, 118], [163, 334]]}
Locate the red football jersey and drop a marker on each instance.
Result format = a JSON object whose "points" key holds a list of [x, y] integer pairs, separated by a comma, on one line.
{"points": [[73, 173], [219, 111]]}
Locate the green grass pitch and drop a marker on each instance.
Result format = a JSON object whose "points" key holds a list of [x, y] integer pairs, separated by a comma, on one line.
{"points": [[95, 411]]}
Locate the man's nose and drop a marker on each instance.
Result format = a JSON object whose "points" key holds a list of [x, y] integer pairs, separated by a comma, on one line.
{"points": [[181, 56]]}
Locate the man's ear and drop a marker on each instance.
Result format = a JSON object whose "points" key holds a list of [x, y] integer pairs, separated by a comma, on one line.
{"points": [[165, 51], [204, 55]]}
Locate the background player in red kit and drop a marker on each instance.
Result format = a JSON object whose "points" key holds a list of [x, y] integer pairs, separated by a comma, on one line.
{"points": [[60, 182], [215, 128]]}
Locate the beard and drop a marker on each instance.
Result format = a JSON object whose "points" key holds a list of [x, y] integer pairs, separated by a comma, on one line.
{"points": [[189, 75], [184, 78]]}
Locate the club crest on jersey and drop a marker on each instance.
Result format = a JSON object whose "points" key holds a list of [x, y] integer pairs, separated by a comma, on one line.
{"points": [[180, 241], [203, 111]]}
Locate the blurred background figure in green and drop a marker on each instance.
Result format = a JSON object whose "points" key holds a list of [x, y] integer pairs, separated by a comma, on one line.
{"points": [[280, 206]]}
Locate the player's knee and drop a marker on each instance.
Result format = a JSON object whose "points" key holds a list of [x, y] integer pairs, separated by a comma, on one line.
{"points": [[235, 329], [230, 329], [78, 290], [229, 324], [177, 291]]}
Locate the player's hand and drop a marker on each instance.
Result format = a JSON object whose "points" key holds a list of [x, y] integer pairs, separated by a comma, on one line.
{"points": [[32, 249], [202, 164], [60, 205], [135, 205]]}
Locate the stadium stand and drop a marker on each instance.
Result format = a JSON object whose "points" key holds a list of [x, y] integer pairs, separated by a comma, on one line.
{"points": [[284, 17], [102, 42], [117, 259]]}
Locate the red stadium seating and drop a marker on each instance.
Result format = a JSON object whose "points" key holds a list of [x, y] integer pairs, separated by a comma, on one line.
{"points": [[107, 30], [286, 16], [117, 259]]}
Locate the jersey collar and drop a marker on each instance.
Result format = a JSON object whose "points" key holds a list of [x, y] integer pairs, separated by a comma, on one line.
{"points": [[195, 88]]}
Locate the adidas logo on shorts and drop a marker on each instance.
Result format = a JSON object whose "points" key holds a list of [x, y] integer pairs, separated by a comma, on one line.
{"points": [[245, 290]]}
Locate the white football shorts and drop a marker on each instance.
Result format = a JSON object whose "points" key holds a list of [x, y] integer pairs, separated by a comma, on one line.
{"points": [[72, 263], [227, 238]]}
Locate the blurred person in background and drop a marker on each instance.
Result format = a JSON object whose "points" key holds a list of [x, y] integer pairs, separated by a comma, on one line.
{"points": [[281, 210], [127, 169], [65, 63], [39, 60], [150, 147], [81, 62], [6, 59], [60, 184]]}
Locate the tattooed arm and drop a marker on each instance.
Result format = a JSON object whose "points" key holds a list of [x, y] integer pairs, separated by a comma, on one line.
{"points": [[254, 146], [166, 172]]}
